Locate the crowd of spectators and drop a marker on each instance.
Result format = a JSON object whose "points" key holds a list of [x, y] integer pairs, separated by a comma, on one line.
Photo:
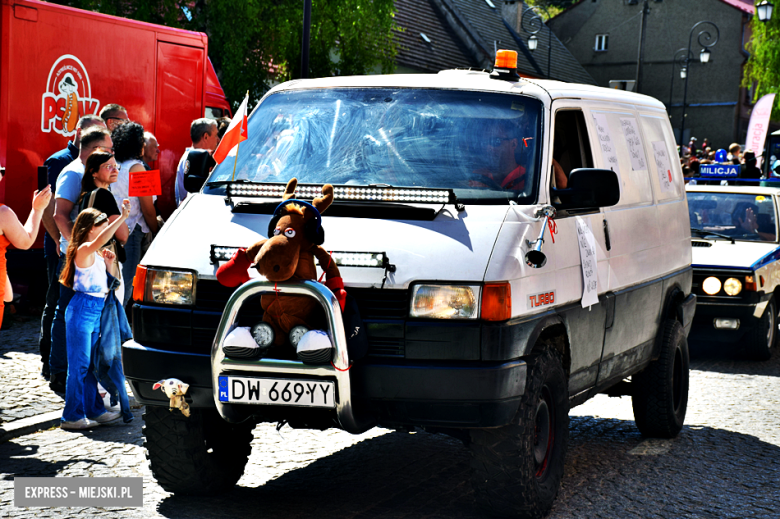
{"points": [[693, 156]]}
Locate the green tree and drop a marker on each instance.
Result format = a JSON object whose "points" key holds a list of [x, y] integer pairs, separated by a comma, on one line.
{"points": [[549, 8], [762, 70], [255, 43]]}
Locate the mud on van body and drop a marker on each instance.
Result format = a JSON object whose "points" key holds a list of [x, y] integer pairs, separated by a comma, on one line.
{"points": [[476, 327]]}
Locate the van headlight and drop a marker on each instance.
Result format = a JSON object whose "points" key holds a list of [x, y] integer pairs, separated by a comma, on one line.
{"points": [[162, 286], [445, 301]]}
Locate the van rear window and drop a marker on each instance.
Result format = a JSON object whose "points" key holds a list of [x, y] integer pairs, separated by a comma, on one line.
{"points": [[485, 146]]}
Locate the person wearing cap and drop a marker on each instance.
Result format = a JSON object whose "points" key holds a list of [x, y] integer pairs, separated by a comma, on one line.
{"points": [[749, 168], [692, 145]]}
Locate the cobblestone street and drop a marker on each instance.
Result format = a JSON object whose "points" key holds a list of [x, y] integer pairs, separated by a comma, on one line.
{"points": [[725, 463]]}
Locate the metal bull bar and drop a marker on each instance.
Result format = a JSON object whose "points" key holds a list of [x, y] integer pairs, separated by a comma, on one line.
{"points": [[222, 365]]}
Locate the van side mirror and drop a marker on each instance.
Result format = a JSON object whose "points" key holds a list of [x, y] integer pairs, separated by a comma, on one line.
{"points": [[197, 168], [589, 189]]}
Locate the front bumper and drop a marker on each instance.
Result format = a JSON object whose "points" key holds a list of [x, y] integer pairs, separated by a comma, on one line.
{"points": [[708, 310], [436, 393]]}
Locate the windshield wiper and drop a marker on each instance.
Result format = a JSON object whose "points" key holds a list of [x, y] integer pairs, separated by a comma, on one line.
{"points": [[226, 182], [702, 232]]}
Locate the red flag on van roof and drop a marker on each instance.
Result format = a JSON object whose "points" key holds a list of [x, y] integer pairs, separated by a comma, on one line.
{"points": [[235, 133]]}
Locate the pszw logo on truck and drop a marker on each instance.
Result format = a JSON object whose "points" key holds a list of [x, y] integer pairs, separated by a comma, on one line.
{"points": [[68, 96]]}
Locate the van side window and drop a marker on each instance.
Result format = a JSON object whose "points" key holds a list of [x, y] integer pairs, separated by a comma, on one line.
{"points": [[628, 151], [662, 159], [571, 147]]}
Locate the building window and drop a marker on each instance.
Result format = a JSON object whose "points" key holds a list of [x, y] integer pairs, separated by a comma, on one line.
{"points": [[602, 41]]}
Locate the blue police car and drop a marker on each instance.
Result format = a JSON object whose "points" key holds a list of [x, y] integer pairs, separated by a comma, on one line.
{"points": [[736, 266]]}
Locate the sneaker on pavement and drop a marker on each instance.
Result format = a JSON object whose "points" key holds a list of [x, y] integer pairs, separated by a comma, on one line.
{"points": [[108, 416], [79, 425]]}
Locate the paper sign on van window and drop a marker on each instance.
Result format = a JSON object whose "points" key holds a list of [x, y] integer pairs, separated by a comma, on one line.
{"points": [[663, 166], [589, 263], [145, 183], [634, 142], [606, 144]]}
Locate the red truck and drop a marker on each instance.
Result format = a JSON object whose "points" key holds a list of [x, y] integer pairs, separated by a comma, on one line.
{"points": [[58, 63]]}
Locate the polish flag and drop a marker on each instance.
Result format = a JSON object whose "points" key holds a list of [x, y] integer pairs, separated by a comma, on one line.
{"points": [[235, 133]]}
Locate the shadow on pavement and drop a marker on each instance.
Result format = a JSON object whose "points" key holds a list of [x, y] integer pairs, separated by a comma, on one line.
{"points": [[723, 360], [705, 472], [25, 463]]}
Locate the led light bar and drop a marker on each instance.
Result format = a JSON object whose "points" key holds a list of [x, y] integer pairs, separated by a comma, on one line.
{"points": [[349, 193], [220, 253], [342, 259]]}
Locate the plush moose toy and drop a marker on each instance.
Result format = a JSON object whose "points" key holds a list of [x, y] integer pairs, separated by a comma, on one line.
{"points": [[175, 390], [294, 237]]}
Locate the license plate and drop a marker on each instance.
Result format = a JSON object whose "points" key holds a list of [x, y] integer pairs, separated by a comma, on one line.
{"points": [[277, 391]]}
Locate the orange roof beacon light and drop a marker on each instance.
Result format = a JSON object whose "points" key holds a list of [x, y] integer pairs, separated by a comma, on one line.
{"points": [[506, 65]]}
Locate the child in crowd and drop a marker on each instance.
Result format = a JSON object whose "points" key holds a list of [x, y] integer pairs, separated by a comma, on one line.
{"points": [[85, 272]]}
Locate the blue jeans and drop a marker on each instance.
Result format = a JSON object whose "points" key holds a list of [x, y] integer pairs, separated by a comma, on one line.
{"points": [[82, 319], [114, 331], [58, 357], [52, 297], [133, 258]]}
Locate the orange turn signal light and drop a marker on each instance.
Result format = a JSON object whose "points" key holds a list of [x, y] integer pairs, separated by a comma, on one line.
{"points": [[506, 59], [496, 302], [139, 283], [750, 284]]}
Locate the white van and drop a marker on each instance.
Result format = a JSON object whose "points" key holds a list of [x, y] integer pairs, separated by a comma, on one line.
{"points": [[478, 329]]}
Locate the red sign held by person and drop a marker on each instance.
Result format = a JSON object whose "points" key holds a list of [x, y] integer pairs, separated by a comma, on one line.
{"points": [[145, 183]]}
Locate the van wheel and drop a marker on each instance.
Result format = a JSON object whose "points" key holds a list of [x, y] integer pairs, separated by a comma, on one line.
{"points": [[660, 391], [199, 455], [758, 343], [517, 469]]}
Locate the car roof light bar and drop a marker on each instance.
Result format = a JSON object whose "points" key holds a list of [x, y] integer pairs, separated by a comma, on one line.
{"points": [[347, 193]]}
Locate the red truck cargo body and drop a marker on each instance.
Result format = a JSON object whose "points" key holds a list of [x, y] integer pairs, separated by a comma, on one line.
{"points": [[59, 63]]}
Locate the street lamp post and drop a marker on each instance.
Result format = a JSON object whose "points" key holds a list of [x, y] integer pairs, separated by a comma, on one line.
{"points": [[681, 57], [706, 40], [534, 25], [764, 10]]}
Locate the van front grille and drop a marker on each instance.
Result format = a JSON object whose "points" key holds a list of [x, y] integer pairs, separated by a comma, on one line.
{"points": [[383, 313]]}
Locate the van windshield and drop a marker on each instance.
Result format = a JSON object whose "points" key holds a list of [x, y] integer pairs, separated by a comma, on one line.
{"points": [[485, 146]]}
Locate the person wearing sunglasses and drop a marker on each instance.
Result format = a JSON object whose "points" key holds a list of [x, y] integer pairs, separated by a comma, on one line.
{"points": [[12, 232], [100, 173], [114, 115]]}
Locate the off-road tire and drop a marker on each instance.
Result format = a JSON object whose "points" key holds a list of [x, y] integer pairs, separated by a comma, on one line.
{"points": [[507, 477], [759, 342], [660, 391], [199, 455]]}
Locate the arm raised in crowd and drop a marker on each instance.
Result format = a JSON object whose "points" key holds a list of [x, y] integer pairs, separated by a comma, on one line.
{"points": [[23, 236]]}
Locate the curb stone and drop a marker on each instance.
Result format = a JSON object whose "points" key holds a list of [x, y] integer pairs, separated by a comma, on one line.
{"points": [[41, 422]]}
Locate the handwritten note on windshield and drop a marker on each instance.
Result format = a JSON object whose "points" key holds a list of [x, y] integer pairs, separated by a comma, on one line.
{"points": [[663, 166], [606, 144], [589, 263], [634, 141]]}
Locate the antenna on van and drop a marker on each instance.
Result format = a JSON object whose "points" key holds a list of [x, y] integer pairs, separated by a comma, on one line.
{"points": [[535, 258]]}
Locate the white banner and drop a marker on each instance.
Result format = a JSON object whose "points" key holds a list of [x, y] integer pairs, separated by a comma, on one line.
{"points": [[758, 126]]}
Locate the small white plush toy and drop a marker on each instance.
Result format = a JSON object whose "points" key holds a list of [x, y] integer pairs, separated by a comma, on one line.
{"points": [[175, 389]]}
